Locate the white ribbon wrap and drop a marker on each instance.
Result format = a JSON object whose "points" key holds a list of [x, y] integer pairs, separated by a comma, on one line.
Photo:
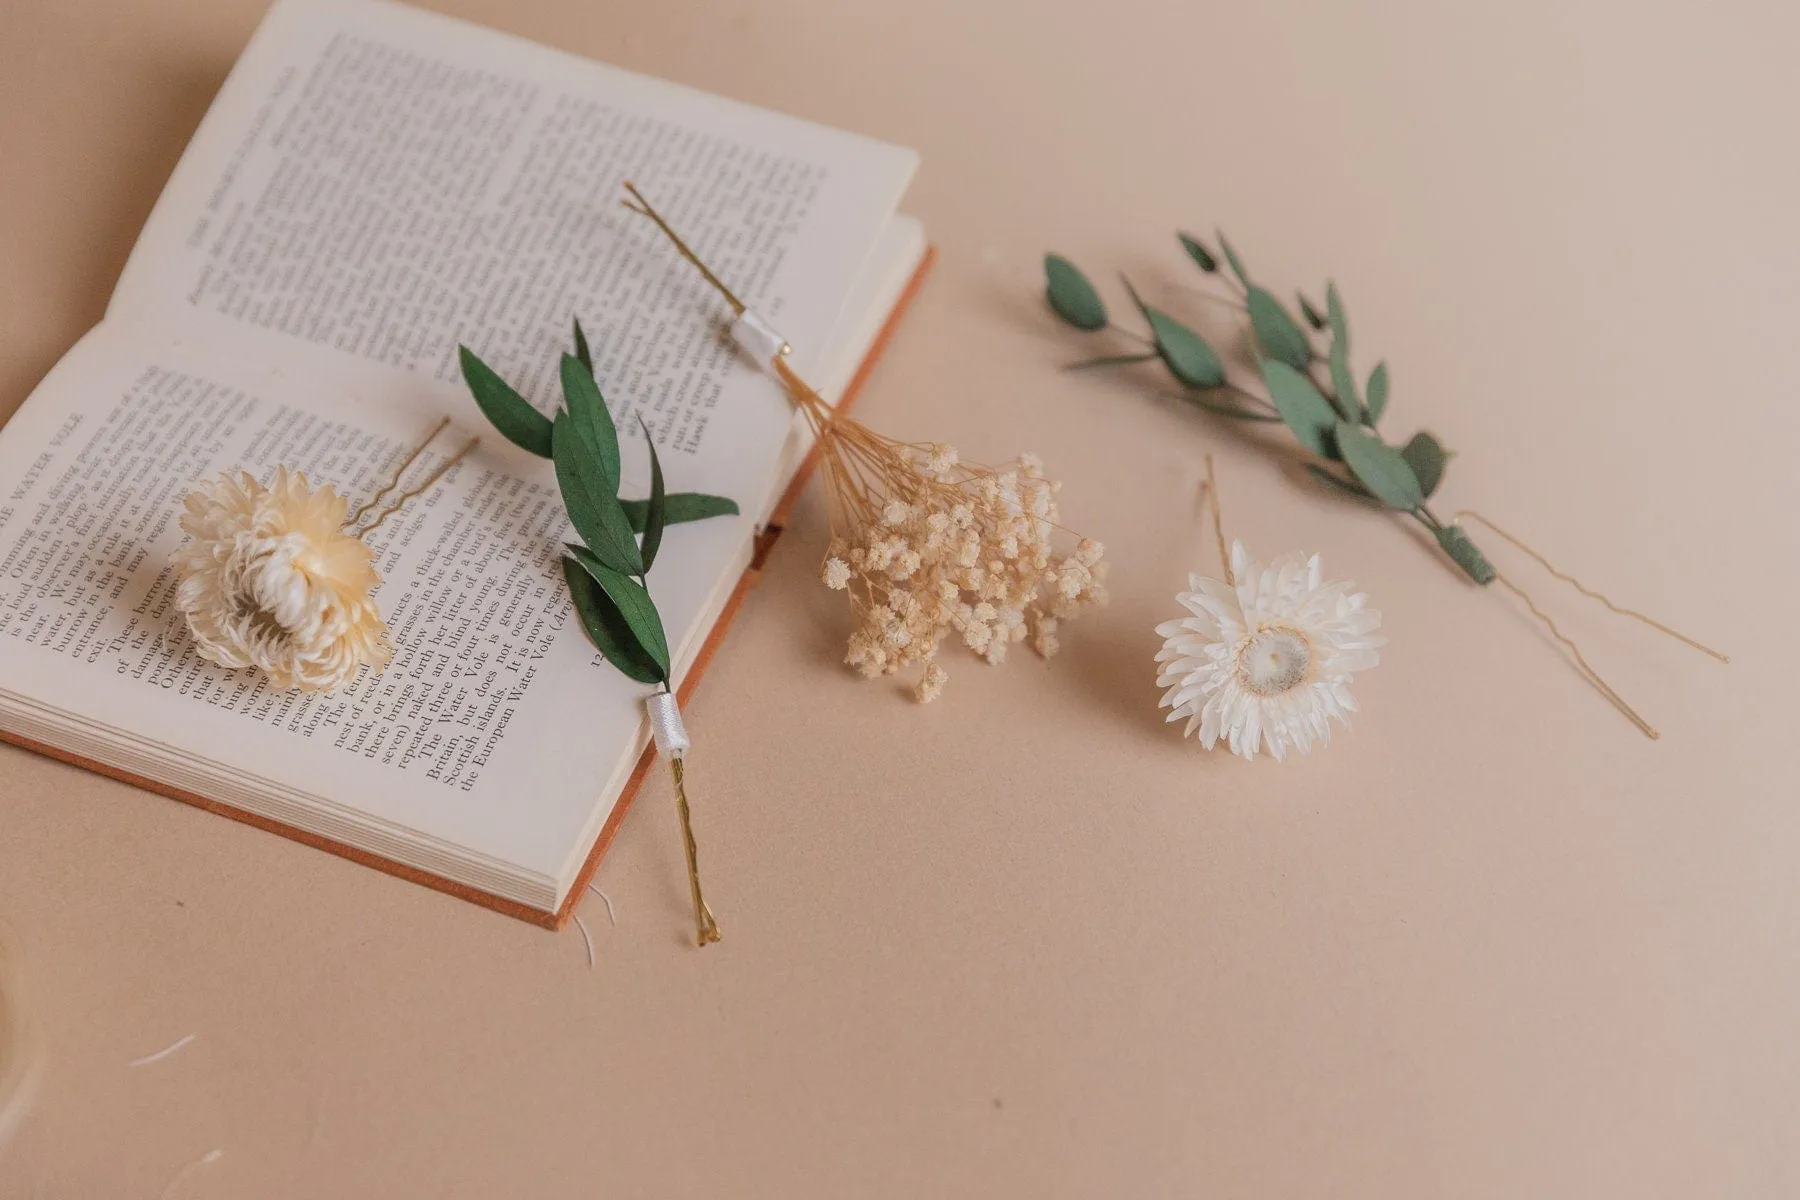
{"points": [[666, 725], [757, 338]]}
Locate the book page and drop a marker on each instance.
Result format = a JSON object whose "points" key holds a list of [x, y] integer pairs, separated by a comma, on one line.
{"points": [[375, 185], [496, 728]]}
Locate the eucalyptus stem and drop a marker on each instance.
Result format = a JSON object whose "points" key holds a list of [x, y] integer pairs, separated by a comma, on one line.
{"points": [[1227, 301], [1135, 336], [1110, 360], [1261, 402]]}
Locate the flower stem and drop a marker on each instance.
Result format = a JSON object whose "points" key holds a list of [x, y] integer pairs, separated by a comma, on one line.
{"points": [[1256, 401]]}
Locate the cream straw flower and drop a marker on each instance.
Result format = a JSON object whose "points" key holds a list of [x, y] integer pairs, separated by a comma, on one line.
{"points": [[273, 581], [1267, 663]]}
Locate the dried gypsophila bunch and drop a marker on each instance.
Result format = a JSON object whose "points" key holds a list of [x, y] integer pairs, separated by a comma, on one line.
{"points": [[278, 577], [1333, 415], [928, 548], [925, 545]]}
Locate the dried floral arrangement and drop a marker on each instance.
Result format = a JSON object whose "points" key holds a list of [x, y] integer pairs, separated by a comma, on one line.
{"points": [[925, 545], [608, 570], [280, 578], [1333, 415], [1265, 657]]}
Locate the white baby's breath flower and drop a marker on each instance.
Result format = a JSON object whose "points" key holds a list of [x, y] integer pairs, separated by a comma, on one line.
{"points": [[271, 580], [931, 683], [1267, 663], [836, 574], [940, 461]]}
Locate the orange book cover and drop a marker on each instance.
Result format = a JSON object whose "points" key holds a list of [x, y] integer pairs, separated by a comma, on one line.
{"points": [[512, 908]]}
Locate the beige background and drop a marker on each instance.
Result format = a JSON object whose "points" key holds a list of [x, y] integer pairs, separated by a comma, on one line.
{"points": [[1027, 942]]}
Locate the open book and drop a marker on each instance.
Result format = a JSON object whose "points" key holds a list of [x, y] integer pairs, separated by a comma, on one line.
{"points": [[373, 186]]}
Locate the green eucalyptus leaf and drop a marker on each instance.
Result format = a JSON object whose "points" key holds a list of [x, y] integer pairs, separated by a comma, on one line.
{"points": [[590, 496], [1336, 317], [1379, 467], [521, 424], [1198, 252], [1237, 264], [1343, 383], [1377, 395], [1302, 407], [1338, 481], [654, 510], [620, 618], [679, 508], [1071, 295], [1188, 356], [1309, 312], [1427, 458], [1281, 339], [589, 417], [1466, 554], [581, 348], [606, 625]]}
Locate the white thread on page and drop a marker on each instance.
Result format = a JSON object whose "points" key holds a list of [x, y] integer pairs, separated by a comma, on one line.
{"points": [[163, 1053]]}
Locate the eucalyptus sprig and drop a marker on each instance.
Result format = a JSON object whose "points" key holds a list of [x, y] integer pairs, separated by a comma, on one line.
{"points": [[1333, 416], [607, 570]]}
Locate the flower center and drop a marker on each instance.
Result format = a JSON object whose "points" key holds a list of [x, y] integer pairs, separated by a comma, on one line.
{"points": [[1275, 660], [263, 627]]}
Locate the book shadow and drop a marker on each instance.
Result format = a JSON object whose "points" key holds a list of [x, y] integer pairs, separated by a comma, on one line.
{"points": [[122, 185]]}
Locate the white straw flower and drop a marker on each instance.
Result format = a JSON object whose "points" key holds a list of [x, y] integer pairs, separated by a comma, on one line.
{"points": [[272, 581], [1267, 663]]}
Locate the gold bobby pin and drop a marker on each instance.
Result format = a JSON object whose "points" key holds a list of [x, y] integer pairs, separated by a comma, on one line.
{"points": [[1581, 663], [399, 473]]}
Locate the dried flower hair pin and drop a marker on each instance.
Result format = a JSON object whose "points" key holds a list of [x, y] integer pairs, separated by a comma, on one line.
{"points": [[280, 577], [607, 572], [1265, 657], [925, 545], [1332, 414]]}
